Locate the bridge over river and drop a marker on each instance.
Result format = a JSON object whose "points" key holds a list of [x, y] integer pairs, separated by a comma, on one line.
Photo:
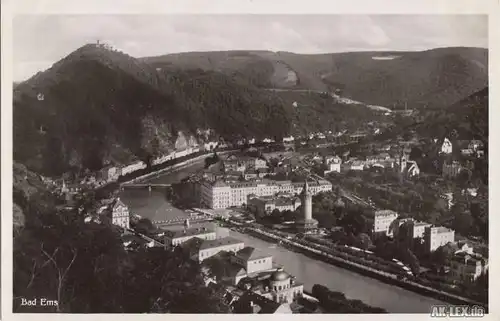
{"points": [[152, 186], [180, 220]]}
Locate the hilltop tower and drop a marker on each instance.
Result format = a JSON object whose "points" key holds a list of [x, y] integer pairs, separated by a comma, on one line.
{"points": [[307, 223]]}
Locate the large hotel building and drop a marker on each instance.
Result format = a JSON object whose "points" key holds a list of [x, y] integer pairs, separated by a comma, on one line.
{"points": [[221, 194]]}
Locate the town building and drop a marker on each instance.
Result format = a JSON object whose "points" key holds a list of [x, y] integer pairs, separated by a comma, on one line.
{"points": [[115, 212], [201, 250], [243, 163], [407, 230], [163, 159], [264, 205], [133, 167], [446, 147], [178, 237], [110, 173], [307, 223], [277, 286], [224, 194], [353, 165], [333, 164], [255, 173], [466, 267], [210, 146], [451, 170], [436, 236], [356, 138], [382, 157], [253, 260], [467, 151], [383, 220], [476, 145], [216, 195]]}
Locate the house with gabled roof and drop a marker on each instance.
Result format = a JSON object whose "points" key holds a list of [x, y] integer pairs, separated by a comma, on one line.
{"points": [[114, 211], [253, 259]]}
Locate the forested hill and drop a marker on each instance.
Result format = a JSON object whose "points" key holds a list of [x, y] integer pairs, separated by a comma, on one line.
{"points": [[432, 78], [96, 105], [99, 105], [466, 119]]}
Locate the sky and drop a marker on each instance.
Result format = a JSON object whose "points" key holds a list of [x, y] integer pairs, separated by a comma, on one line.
{"points": [[41, 40]]}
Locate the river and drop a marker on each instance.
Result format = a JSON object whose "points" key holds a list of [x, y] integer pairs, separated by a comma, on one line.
{"points": [[307, 270]]}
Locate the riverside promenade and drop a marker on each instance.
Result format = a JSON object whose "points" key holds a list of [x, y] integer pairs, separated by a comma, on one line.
{"points": [[321, 252]]}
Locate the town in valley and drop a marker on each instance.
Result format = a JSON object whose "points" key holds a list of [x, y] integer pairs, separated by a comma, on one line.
{"points": [[253, 191]]}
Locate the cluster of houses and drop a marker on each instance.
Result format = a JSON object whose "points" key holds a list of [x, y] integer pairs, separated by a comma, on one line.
{"points": [[245, 271], [466, 265], [379, 161], [238, 179]]}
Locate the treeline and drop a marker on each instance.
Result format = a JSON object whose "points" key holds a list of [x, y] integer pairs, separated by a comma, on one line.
{"points": [[95, 100], [85, 268], [336, 302]]}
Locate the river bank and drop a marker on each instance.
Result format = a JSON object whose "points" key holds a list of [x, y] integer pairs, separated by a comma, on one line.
{"points": [[364, 270]]}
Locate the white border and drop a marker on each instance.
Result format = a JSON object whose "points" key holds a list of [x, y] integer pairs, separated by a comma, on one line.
{"points": [[12, 7]]}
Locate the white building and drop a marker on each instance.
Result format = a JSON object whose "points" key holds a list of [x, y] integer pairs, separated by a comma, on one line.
{"points": [[110, 173], [382, 221], [164, 158], [446, 147], [174, 238], [264, 205], [216, 195], [253, 260], [133, 167], [333, 164], [221, 194], [417, 229], [209, 146], [288, 139], [332, 160], [115, 212], [355, 165], [209, 248], [243, 163], [435, 237]]}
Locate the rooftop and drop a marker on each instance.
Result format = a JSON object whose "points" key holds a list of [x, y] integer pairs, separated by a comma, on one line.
{"points": [[442, 229], [219, 183], [250, 253], [422, 224], [385, 213], [210, 244], [188, 232]]}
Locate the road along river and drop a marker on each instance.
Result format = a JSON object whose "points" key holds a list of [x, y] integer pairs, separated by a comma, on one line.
{"points": [[307, 270], [355, 286]]}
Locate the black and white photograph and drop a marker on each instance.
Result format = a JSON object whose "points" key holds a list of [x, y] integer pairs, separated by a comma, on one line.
{"points": [[250, 164]]}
